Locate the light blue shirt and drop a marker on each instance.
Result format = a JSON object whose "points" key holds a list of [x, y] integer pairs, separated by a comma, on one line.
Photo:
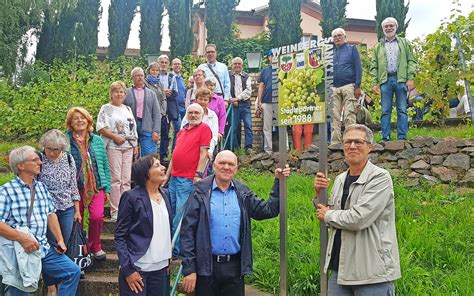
{"points": [[225, 221], [391, 49], [165, 81], [223, 73]]}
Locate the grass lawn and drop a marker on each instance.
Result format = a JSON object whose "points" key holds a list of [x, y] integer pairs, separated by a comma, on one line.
{"points": [[458, 132], [435, 233]]}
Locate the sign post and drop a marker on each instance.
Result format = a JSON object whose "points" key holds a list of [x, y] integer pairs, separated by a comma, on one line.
{"points": [[300, 86]]}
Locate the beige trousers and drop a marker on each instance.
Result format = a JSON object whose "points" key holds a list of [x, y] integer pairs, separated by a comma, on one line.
{"points": [[344, 110], [120, 163]]}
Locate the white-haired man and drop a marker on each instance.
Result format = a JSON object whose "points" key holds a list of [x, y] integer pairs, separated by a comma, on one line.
{"points": [[393, 68], [146, 110], [362, 252], [26, 212], [347, 80], [240, 92], [188, 162]]}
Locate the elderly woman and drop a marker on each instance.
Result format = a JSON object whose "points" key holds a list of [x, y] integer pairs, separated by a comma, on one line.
{"points": [[203, 96], [58, 173], [198, 78], [93, 173], [117, 127], [216, 104], [143, 232]]}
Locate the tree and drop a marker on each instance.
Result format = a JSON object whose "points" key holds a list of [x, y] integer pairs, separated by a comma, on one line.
{"points": [[151, 12], [180, 26], [219, 18], [16, 18], [284, 22], [121, 13], [391, 8], [334, 15], [86, 26]]}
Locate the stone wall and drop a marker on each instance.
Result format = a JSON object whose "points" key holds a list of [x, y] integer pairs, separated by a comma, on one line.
{"points": [[423, 158]]}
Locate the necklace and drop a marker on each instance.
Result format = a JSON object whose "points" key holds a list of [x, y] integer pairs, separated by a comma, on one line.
{"points": [[156, 197]]}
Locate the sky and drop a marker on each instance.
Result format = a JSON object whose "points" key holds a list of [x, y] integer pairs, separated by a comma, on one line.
{"points": [[426, 16]]}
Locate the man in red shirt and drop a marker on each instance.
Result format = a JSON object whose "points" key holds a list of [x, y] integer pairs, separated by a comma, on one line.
{"points": [[188, 162]]}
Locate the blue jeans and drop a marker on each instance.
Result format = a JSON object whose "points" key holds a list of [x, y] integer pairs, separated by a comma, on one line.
{"points": [[390, 87], [242, 113], [156, 283], [334, 289], [147, 145], [179, 188], [165, 135], [57, 269], [66, 219]]}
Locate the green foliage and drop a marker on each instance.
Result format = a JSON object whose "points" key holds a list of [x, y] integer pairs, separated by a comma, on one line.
{"points": [[219, 18], [87, 13], [439, 66], [16, 18], [151, 12], [434, 229], [457, 132], [180, 26], [334, 15], [391, 8], [30, 110], [284, 22], [121, 13]]}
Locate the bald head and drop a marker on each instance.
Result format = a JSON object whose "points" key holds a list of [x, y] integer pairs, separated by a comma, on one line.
{"points": [[225, 168], [226, 154], [194, 114]]}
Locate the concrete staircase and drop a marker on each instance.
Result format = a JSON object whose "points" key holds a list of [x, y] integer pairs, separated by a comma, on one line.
{"points": [[101, 279]]}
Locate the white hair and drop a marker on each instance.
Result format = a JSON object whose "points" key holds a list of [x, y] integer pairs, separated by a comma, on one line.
{"points": [[54, 137], [135, 70], [211, 79], [195, 106], [17, 156], [163, 57], [237, 59], [390, 20], [338, 30]]}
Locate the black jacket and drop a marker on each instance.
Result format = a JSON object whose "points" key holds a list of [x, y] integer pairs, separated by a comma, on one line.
{"points": [[134, 228], [196, 250]]}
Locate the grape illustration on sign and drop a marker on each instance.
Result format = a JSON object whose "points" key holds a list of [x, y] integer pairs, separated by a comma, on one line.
{"points": [[301, 96]]}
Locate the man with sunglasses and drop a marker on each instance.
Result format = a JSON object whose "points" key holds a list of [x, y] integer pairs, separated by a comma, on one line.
{"points": [[362, 251], [26, 212]]}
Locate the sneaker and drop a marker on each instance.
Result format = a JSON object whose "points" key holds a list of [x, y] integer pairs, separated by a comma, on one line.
{"points": [[83, 275], [113, 217], [100, 255]]}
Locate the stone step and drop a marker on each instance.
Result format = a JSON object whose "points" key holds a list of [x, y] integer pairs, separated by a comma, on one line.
{"points": [[99, 284], [108, 227], [108, 242], [110, 264]]}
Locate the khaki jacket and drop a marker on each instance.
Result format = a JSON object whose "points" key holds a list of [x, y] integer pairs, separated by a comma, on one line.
{"points": [[369, 248]]}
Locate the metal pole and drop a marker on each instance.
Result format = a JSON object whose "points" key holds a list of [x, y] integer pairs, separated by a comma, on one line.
{"points": [[283, 155], [467, 84], [323, 199]]}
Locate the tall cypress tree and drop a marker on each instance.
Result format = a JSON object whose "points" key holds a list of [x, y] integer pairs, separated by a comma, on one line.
{"points": [[151, 12], [180, 26], [87, 19], [334, 15], [284, 22], [121, 13], [219, 18], [391, 8]]}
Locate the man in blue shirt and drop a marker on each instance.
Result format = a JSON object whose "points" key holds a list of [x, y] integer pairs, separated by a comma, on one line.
{"points": [[168, 83], [180, 97], [216, 246], [216, 69], [347, 80], [25, 202]]}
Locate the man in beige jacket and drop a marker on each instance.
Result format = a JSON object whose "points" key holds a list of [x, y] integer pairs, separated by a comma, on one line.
{"points": [[362, 251]]}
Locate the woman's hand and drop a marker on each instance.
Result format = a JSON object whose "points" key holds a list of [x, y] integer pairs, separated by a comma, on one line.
{"points": [[118, 139], [135, 282], [77, 216]]}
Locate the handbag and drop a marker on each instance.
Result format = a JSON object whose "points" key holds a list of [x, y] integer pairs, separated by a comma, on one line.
{"points": [[78, 247]]}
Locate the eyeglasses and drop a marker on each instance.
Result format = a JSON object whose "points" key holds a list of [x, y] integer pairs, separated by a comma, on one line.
{"points": [[338, 36], [197, 75], [389, 26], [208, 52], [357, 142], [36, 159], [54, 150]]}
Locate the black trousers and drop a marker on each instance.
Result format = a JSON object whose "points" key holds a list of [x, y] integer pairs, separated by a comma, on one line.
{"points": [[157, 283], [225, 281]]}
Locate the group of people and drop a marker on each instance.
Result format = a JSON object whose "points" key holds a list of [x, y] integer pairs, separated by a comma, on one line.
{"points": [[83, 170]]}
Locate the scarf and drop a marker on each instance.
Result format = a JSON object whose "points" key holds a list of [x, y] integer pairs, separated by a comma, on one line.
{"points": [[87, 170], [152, 79]]}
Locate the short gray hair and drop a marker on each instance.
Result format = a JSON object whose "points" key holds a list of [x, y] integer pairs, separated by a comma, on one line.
{"points": [[361, 127], [55, 138], [135, 70], [390, 20], [196, 106], [163, 57], [338, 30], [211, 79], [17, 156], [200, 70], [237, 59]]}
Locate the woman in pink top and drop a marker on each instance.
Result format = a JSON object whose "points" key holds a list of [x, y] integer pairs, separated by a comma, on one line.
{"points": [[216, 104]]}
